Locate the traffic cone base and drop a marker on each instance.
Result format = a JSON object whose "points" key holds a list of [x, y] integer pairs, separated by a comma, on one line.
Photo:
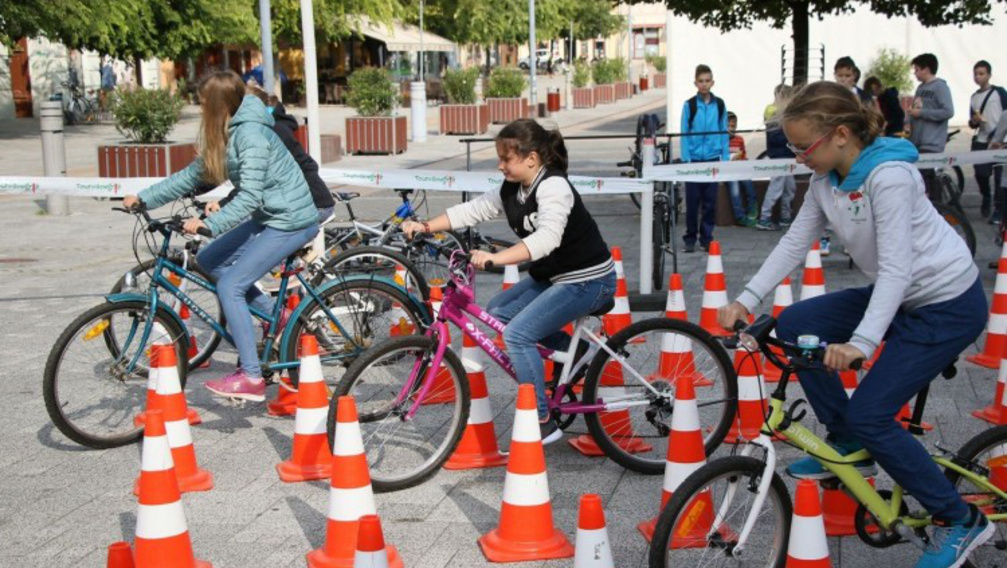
{"points": [[616, 423], [996, 412], [496, 548], [478, 447], [693, 527], [310, 457], [285, 403], [120, 555], [319, 559]]}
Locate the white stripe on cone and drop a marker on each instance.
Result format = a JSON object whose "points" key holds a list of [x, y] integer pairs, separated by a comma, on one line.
{"points": [[160, 521], [376, 559], [714, 298], [179, 435], [714, 264], [750, 388], [351, 504], [807, 538], [526, 490], [676, 343], [809, 291], [348, 440], [526, 427], [311, 421], [167, 381], [676, 472], [997, 324], [593, 549], [156, 454], [310, 369], [480, 411], [621, 306]]}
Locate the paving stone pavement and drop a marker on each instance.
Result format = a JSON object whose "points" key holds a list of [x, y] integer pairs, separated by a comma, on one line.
{"points": [[61, 505]]}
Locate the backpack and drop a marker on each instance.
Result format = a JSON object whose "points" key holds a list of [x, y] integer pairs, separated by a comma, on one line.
{"points": [[694, 106]]}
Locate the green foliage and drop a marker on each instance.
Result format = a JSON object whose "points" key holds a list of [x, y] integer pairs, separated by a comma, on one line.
{"points": [[658, 62], [608, 71], [893, 69], [505, 83], [594, 18], [334, 19], [371, 92], [146, 116], [460, 85], [581, 74]]}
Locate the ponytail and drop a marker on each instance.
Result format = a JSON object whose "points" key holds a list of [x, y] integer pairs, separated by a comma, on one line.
{"points": [[525, 136]]}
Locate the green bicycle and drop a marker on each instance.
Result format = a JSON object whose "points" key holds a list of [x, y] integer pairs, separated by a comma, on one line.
{"points": [[737, 511]]}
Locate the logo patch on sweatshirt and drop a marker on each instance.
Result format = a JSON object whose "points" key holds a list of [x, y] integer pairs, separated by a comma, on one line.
{"points": [[857, 207]]}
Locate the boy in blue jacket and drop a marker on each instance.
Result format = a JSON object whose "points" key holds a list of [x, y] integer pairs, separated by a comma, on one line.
{"points": [[703, 113]]}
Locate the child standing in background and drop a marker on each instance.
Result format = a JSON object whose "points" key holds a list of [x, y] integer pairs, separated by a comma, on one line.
{"points": [[736, 144]]}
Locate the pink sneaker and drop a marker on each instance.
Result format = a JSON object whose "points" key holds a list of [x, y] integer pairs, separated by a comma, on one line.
{"points": [[238, 385]]}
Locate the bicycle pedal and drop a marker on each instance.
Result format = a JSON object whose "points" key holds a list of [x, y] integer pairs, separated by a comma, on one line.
{"points": [[237, 402]]}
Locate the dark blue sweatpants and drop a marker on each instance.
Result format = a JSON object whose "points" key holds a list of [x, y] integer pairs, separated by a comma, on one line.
{"points": [[700, 212], [919, 344]]}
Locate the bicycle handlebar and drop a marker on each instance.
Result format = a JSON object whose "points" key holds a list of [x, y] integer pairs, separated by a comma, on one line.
{"points": [[758, 333]]}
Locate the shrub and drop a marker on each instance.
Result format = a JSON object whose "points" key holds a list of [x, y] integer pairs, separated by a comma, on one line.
{"points": [[658, 62], [146, 116], [619, 70], [893, 69], [371, 92], [460, 85], [581, 74], [608, 71], [505, 83]]}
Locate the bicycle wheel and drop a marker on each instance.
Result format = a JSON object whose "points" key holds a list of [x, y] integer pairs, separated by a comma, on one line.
{"points": [[376, 261], [960, 223], [987, 450], [206, 339], [659, 238], [959, 179], [951, 191], [700, 523], [403, 452], [431, 260], [368, 311], [89, 394], [636, 438], [494, 244]]}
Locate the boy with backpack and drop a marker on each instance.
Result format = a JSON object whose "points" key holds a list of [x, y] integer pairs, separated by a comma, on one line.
{"points": [[985, 109], [703, 113]]}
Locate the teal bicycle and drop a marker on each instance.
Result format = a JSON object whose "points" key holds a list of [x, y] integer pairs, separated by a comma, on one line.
{"points": [[95, 378]]}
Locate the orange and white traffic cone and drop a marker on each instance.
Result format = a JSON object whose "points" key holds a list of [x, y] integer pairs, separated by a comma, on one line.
{"points": [[183, 453], [350, 495], [617, 423], [996, 412], [676, 350], [997, 464], [686, 454], [478, 446], [285, 403], [511, 277], [813, 280], [592, 548], [371, 552], [526, 531], [293, 300], [183, 312], [714, 292], [120, 555], [751, 399], [808, 547], [996, 328], [161, 340], [162, 537], [619, 318], [839, 511], [397, 315], [782, 299], [311, 457], [443, 389]]}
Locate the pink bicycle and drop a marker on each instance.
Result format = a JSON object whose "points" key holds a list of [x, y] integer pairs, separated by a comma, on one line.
{"points": [[413, 396]]}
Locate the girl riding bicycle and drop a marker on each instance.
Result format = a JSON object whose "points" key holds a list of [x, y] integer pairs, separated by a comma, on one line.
{"points": [[926, 301], [237, 143], [572, 272]]}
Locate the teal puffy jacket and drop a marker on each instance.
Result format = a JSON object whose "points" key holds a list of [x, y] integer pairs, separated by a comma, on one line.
{"points": [[271, 186]]}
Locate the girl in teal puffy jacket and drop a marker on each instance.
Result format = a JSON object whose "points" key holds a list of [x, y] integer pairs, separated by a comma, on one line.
{"points": [[271, 216]]}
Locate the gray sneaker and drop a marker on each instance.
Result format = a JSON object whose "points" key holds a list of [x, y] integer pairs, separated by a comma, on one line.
{"points": [[764, 225]]}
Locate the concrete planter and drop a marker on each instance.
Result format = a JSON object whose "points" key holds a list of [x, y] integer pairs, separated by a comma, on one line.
{"points": [[332, 144], [144, 160], [660, 80], [376, 134], [623, 90], [604, 94], [583, 97], [503, 111], [465, 119]]}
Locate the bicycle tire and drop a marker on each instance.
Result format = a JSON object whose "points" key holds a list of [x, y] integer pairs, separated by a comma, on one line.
{"points": [[659, 238], [959, 179], [57, 406], [994, 441], [349, 292], [206, 345], [495, 244], [352, 262], [959, 222], [433, 262], [718, 421], [425, 346], [687, 495]]}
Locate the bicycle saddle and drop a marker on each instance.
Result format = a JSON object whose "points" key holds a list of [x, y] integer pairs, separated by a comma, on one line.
{"points": [[607, 307], [345, 196]]}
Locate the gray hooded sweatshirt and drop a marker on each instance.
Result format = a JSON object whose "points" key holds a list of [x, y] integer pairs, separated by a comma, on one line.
{"points": [[930, 129]]}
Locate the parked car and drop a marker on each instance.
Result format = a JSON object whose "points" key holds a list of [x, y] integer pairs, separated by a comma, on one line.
{"points": [[542, 58]]}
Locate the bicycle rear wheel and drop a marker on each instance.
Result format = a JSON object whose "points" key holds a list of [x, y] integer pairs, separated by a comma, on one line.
{"points": [[89, 393], [637, 437], [376, 261], [987, 450], [403, 452], [699, 525], [960, 223]]}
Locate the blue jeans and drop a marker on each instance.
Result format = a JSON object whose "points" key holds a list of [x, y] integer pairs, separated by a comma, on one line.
{"points": [[700, 196], [736, 202], [535, 312], [919, 344], [237, 259]]}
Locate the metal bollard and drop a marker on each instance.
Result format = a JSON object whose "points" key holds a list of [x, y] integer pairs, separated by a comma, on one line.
{"points": [[418, 106], [54, 153]]}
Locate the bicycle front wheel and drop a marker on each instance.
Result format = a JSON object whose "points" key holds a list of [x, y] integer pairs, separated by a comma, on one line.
{"points": [[90, 392], [657, 352], [987, 450], [404, 451], [699, 525]]}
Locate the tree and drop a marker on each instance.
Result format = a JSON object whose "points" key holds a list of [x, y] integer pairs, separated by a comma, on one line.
{"points": [[733, 14], [334, 19]]}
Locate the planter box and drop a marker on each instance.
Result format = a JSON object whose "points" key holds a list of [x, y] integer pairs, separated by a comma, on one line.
{"points": [[465, 119], [507, 110], [583, 97], [332, 144], [144, 160], [604, 94], [623, 90], [660, 80], [376, 134]]}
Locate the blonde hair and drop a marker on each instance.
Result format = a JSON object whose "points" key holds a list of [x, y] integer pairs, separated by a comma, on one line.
{"points": [[829, 105], [221, 93]]}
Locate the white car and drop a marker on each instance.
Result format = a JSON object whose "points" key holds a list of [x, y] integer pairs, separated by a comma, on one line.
{"points": [[542, 58]]}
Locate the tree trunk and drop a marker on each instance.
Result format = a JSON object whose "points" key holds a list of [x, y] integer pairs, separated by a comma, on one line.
{"points": [[800, 29], [489, 67]]}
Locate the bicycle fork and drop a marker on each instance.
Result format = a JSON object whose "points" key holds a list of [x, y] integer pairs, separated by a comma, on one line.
{"points": [[764, 442], [438, 329]]}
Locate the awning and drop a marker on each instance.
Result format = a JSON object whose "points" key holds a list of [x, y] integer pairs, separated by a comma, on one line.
{"points": [[404, 37]]}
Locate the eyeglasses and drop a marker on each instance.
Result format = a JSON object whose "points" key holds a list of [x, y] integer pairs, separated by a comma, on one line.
{"points": [[803, 153]]}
